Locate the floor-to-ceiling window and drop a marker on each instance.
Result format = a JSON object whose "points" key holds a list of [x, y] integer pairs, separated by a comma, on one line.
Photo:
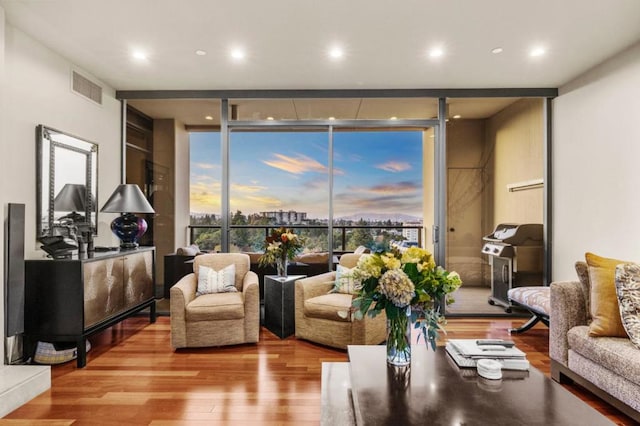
{"points": [[205, 187], [377, 188], [278, 178]]}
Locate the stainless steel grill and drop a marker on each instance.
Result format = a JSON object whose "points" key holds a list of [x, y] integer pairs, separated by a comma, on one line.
{"points": [[515, 254]]}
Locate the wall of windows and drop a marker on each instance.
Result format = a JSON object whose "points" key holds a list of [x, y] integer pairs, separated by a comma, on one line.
{"points": [[281, 177]]}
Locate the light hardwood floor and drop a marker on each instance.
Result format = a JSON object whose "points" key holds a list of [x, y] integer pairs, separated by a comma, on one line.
{"points": [[134, 377]]}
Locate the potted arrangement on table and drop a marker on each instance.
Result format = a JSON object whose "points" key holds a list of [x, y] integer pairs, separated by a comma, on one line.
{"points": [[409, 288], [279, 247]]}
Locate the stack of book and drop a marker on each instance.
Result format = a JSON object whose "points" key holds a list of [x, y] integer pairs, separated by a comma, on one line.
{"points": [[466, 352]]}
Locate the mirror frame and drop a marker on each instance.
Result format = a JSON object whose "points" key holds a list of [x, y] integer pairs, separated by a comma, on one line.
{"points": [[46, 183]]}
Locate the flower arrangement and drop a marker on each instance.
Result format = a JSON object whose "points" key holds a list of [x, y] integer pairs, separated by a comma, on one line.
{"points": [[407, 287], [279, 247]]}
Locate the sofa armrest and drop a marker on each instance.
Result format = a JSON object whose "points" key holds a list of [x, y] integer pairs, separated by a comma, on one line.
{"points": [[568, 309]]}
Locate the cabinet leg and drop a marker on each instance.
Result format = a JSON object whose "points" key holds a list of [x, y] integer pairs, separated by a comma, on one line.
{"points": [[82, 353], [152, 312]]}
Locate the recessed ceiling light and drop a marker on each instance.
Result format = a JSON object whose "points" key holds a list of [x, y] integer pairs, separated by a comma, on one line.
{"points": [[270, 118], [139, 55], [537, 51], [436, 52], [496, 50], [208, 117], [457, 116], [201, 52], [238, 54], [393, 118], [336, 52], [332, 118]]}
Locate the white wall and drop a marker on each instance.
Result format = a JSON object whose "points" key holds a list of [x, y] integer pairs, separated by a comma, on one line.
{"points": [[3, 161], [37, 90], [596, 168]]}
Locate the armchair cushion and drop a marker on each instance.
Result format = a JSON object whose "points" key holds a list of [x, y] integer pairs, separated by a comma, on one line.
{"points": [[213, 307], [212, 281], [327, 306]]}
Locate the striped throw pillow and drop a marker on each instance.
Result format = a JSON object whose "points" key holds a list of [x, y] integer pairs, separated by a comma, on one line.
{"points": [[212, 281]]}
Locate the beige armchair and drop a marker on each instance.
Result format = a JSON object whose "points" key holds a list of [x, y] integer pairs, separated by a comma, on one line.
{"points": [[317, 310], [220, 318]]}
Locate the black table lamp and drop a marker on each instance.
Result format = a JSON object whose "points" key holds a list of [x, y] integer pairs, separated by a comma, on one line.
{"points": [[128, 199], [71, 198]]}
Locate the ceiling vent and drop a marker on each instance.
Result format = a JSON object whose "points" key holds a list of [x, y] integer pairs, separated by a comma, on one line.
{"points": [[87, 88]]}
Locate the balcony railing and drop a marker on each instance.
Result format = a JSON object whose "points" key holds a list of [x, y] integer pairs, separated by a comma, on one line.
{"points": [[341, 233]]}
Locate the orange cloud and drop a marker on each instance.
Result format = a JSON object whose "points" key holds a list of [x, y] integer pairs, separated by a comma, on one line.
{"points": [[404, 187], [296, 165]]}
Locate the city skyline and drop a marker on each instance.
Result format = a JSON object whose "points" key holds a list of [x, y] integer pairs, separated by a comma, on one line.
{"points": [[375, 172]]}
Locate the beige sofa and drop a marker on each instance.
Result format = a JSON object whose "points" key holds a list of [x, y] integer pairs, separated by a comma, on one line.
{"points": [[316, 313], [609, 367]]}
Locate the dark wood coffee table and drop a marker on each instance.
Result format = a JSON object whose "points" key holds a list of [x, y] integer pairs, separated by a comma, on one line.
{"points": [[436, 392]]}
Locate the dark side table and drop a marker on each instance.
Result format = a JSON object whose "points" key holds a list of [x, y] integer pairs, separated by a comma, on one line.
{"points": [[279, 304]]}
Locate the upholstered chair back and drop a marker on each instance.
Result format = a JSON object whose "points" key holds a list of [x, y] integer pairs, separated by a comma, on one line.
{"points": [[217, 261], [349, 260]]}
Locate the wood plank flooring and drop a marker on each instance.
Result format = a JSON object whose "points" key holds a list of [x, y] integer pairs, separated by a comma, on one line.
{"points": [[134, 377]]}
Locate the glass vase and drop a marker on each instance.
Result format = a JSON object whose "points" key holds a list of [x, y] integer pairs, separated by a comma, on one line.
{"points": [[399, 339], [282, 265]]}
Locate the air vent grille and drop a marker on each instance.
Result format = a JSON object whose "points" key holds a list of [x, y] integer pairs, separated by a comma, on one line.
{"points": [[87, 88]]}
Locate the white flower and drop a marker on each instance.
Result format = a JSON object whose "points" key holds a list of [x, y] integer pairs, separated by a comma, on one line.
{"points": [[397, 287]]}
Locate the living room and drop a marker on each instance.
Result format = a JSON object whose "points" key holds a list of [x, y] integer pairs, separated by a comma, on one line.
{"points": [[591, 154]]}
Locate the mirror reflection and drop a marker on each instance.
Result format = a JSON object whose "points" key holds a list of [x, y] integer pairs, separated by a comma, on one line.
{"points": [[67, 185]]}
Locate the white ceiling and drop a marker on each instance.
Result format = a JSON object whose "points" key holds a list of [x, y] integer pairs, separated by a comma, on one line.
{"points": [[386, 43]]}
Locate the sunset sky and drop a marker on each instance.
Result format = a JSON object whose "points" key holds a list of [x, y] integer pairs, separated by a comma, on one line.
{"points": [[374, 172]]}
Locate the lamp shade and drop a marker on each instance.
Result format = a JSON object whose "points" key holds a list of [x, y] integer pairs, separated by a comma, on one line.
{"points": [[71, 198], [128, 199]]}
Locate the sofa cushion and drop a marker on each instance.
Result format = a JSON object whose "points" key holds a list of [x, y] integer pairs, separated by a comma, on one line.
{"points": [[604, 302], [219, 306], [628, 291], [192, 250], [327, 306], [582, 269], [322, 257], [616, 354]]}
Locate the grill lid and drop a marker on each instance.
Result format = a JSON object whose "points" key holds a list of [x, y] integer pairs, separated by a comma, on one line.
{"points": [[528, 234]]}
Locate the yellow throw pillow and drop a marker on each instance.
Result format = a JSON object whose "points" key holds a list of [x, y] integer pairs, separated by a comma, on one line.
{"points": [[604, 301]]}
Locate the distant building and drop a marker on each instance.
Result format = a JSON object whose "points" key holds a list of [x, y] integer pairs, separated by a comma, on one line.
{"points": [[412, 233], [290, 217]]}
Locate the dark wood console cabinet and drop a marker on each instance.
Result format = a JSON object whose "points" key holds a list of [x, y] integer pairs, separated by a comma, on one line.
{"points": [[68, 300]]}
